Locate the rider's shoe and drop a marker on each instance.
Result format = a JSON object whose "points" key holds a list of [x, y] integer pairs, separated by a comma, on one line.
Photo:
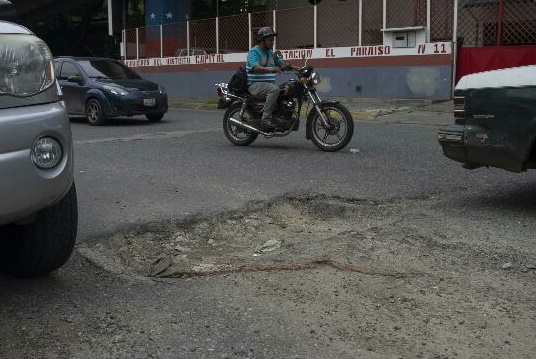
{"points": [[269, 123]]}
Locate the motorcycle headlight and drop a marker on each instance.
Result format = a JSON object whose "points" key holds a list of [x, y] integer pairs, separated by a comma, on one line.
{"points": [[116, 90], [315, 78], [26, 66]]}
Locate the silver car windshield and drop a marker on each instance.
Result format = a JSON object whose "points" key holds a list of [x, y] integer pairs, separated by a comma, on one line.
{"points": [[25, 65]]}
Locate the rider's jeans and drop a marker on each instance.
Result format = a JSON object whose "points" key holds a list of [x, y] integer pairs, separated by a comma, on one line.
{"points": [[267, 91]]}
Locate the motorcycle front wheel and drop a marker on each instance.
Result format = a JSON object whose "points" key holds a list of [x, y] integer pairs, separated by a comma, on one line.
{"points": [[339, 131], [235, 134]]}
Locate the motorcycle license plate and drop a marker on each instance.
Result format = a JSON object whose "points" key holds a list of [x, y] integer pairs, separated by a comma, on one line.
{"points": [[149, 102], [222, 103]]}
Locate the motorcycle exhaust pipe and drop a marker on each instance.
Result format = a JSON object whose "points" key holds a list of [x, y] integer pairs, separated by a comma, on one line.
{"points": [[247, 127]]}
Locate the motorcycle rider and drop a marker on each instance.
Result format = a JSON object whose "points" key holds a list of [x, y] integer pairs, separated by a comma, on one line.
{"points": [[262, 68]]}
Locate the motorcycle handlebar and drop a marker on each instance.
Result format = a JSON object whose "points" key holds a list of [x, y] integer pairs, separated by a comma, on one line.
{"points": [[291, 69]]}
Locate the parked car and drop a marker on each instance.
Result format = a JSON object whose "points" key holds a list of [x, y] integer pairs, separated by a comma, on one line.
{"points": [[192, 52], [100, 88], [495, 120], [38, 205]]}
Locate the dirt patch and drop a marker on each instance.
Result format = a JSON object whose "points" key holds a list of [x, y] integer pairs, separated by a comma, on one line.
{"points": [[441, 277], [288, 233], [397, 238]]}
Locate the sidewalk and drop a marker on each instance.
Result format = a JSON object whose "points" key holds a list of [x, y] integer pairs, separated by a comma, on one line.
{"points": [[424, 112]]}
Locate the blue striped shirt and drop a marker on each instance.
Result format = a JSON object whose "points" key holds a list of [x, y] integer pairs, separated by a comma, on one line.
{"points": [[257, 57]]}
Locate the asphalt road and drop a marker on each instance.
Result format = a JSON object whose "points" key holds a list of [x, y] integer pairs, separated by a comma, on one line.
{"points": [[131, 172]]}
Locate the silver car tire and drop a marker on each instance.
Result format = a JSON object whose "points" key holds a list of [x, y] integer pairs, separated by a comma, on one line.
{"points": [[38, 248]]}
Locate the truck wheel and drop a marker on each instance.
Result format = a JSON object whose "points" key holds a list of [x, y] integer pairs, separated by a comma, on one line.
{"points": [[46, 244]]}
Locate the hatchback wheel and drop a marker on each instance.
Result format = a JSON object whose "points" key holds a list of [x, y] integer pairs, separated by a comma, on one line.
{"points": [[155, 117], [95, 113]]}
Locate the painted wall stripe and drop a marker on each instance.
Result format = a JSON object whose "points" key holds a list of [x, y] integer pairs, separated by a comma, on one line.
{"points": [[318, 63], [347, 56]]}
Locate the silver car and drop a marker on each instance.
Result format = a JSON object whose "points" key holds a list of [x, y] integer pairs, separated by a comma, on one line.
{"points": [[38, 206]]}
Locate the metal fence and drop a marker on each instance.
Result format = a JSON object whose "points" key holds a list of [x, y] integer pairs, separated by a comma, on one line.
{"points": [[442, 20], [496, 22], [372, 18], [406, 13], [234, 33], [340, 24], [347, 18]]}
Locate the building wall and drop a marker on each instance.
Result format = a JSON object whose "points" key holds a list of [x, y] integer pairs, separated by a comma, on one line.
{"points": [[357, 44], [366, 71], [357, 55], [400, 82]]}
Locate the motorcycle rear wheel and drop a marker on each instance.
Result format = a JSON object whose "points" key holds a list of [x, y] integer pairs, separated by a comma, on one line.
{"points": [[340, 131], [235, 134]]}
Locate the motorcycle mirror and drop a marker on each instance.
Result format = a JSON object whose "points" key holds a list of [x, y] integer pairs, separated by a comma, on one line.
{"points": [[278, 55]]}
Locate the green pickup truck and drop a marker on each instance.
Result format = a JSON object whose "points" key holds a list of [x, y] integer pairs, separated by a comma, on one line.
{"points": [[494, 120]]}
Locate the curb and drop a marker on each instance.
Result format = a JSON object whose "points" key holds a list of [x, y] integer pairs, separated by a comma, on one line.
{"points": [[362, 116], [360, 109], [193, 105]]}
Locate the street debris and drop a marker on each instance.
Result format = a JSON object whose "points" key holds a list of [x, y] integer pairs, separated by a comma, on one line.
{"points": [[383, 275], [270, 246], [298, 233]]}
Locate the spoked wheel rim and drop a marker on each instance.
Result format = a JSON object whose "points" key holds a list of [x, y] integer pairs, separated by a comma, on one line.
{"points": [[235, 134], [95, 114], [337, 131], [93, 111], [238, 133]]}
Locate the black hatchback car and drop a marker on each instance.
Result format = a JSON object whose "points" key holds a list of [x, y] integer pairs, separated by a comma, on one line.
{"points": [[99, 88]]}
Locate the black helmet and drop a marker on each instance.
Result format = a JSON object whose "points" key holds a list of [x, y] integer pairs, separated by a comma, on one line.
{"points": [[265, 32]]}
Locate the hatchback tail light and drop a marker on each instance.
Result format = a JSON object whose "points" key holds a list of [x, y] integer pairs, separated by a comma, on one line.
{"points": [[459, 108]]}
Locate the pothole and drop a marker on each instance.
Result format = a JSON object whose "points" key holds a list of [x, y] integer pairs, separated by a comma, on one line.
{"points": [[396, 238]]}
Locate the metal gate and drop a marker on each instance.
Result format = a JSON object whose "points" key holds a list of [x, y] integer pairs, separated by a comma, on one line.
{"points": [[494, 34]]}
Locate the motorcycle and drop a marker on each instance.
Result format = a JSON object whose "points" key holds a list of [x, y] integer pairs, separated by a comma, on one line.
{"points": [[329, 125]]}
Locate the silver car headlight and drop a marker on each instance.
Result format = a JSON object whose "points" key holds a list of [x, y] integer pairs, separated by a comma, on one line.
{"points": [[161, 89], [26, 66], [116, 90], [315, 78], [46, 152]]}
